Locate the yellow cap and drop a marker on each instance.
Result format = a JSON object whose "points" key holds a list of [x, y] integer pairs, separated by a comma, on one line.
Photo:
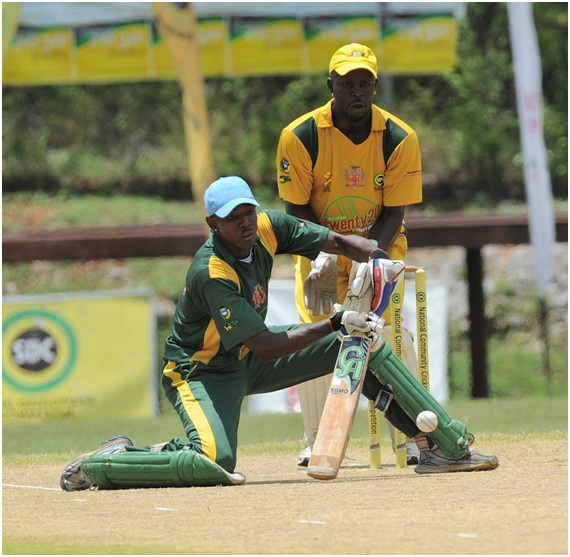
{"points": [[353, 57]]}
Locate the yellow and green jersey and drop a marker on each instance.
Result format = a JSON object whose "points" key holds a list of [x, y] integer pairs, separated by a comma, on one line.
{"points": [[347, 185], [224, 300]]}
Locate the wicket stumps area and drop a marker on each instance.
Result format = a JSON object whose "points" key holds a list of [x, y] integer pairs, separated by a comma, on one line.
{"points": [[396, 304]]}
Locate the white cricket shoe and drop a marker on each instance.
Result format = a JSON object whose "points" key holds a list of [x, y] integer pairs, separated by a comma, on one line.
{"points": [[305, 456], [74, 479]]}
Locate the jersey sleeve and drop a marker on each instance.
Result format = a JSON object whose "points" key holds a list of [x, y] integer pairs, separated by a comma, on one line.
{"points": [[294, 169], [403, 178], [297, 237]]}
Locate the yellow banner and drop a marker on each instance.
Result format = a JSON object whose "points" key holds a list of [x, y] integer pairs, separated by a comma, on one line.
{"points": [[38, 57], [177, 26], [225, 47], [118, 53], [81, 355], [265, 46], [10, 12], [325, 35], [213, 45], [419, 45]]}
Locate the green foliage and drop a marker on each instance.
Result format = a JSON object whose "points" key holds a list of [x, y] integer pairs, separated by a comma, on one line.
{"points": [[129, 138], [515, 361]]}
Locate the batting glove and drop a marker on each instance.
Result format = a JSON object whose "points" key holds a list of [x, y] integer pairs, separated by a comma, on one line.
{"points": [[362, 290], [376, 324], [386, 275], [320, 286], [349, 323]]}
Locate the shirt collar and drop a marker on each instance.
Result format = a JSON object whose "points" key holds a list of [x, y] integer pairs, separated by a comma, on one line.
{"points": [[324, 117], [223, 252]]}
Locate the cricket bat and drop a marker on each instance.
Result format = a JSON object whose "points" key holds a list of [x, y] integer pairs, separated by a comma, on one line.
{"points": [[340, 407]]}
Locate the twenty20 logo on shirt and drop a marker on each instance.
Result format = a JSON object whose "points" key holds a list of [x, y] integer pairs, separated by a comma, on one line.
{"points": [[351, 215]]}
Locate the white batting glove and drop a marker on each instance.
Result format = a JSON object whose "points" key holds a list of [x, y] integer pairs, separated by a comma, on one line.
{"points": [[376, 324], [320, 286], [350, 323]]}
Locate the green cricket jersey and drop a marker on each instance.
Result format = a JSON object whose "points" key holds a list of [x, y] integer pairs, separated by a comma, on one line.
{"points": [[224, 300]]}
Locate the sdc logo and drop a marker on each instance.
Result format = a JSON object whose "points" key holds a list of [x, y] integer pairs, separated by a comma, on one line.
{"points": [[38, 350], [34, 350]]}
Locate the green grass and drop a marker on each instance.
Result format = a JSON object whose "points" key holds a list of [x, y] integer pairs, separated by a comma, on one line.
{"points": [[55, 442]]}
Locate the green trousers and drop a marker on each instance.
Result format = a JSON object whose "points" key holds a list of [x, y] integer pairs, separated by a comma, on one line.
{"points": [[209, 404]]}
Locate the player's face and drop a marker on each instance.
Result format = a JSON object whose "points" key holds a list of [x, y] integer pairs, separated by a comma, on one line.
{"points": [[238, 231], [353, 94]]}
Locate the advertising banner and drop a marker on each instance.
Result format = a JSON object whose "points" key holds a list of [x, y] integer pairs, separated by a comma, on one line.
{"points": [[324, 35], [80, 355], [265, 46], [76, 43], [113, 53], [418, 45]]}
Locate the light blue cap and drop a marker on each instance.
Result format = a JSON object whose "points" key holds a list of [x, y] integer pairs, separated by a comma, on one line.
{"points": [[225, 194]]}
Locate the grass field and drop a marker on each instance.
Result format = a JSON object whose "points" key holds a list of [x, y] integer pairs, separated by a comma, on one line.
{"points": [[54, 442], [281, 511]]}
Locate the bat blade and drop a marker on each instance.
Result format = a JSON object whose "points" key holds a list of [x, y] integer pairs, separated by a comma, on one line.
{"points": [[340, 407]]}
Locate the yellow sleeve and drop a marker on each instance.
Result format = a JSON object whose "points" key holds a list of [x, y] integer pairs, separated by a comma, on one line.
{"points": [[294, 170], [403, 178]]}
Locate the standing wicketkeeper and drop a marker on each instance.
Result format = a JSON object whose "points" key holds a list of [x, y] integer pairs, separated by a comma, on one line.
{"points": [[352, 167]]}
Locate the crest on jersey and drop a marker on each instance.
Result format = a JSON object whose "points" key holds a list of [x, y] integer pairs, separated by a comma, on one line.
{"points": [[259, 296], [284, 165], [354, 177]]}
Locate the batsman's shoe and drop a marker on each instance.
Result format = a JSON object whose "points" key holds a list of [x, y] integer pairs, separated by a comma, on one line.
{"points": [[434, 461], [74, 479], [305, 456]]}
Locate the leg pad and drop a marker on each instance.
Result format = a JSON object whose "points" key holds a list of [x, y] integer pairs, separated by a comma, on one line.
{"points": [[413, 398], [132, 469]]}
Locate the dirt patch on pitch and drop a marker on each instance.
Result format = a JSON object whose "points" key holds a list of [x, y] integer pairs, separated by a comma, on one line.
{"points": [[520, 508]]}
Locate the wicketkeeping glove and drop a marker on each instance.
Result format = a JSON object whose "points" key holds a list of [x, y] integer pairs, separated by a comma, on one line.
{"points": [[320, 286], [360, 292]]}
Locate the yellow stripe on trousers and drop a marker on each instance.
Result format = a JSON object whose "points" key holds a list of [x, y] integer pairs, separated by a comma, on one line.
{"points": [[194, 411]]}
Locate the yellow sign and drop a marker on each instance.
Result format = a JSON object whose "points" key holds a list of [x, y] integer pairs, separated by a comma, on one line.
{"points": [[213, 44], [39, 56], [80, 355], [325, 35], [419, 45], [265, 46], [226, 47], [116, 53]]}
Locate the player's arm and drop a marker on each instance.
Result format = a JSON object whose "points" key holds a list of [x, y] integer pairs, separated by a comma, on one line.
{"points": [[387, 227], [303, 212], [354, 247], [269, 345]]}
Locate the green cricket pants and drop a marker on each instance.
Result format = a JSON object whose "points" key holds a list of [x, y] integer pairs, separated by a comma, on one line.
{"points": [[209, 404]]}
